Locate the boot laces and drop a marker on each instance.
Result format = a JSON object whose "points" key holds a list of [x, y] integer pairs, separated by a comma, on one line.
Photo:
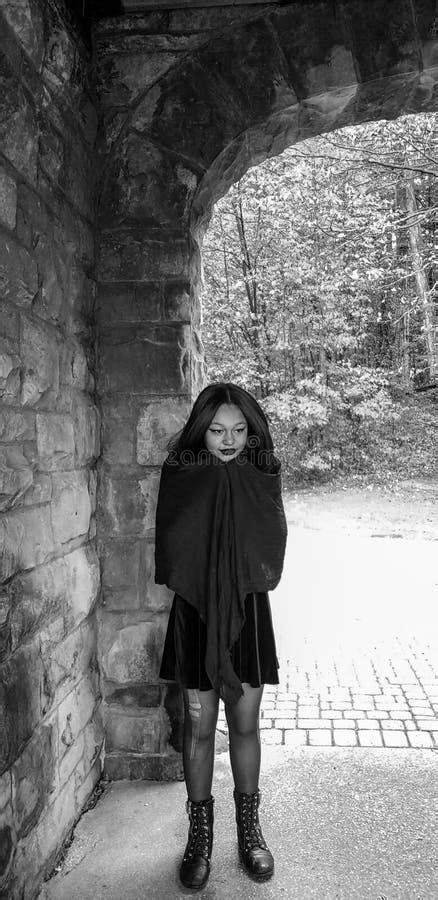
{"points": [[199, 833], [253, 836]]}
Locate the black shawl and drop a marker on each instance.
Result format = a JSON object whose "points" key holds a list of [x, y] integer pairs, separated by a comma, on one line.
{"points": [[220, 534]]}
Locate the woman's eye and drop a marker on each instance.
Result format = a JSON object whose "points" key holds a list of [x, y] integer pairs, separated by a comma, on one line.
{"points": [[240, 430], [215, 431]]}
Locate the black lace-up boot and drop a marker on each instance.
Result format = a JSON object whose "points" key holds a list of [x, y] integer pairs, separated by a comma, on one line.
{"points": [[253, 850], [195, 867]]}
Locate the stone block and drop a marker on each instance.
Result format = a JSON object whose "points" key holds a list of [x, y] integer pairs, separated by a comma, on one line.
{"points": [[65, 588], [148, 186], [80, 737], [140, 733], [8, 200], [120, 573], [5, 624], [17, 426], [51, 151], [124, 303], [128, 577], [78, 230], [94, 737], [27, 539], [177, 302], [79, 176], [67, 661], [34, 779], [119, 418], [120, 78], [40, 366], [131, 653], [40, 490], [55, 441], [36, 599], [10, 325], [9, 373], [153, 767], [130, 258], [21, 691], [53, 828], [5, 791], [141, 360], [87, 116], [84, 786], [128, 504], [146, 109], [71, 507], [59, 56], [7, 848], [77, 291], [86, 426], [137, 696], [16, 476], [18, 273], [204, 103], [53, 264], [158, 421], [26, 20], [18, 126], [396, 53], [74, 711], [74, 371]]}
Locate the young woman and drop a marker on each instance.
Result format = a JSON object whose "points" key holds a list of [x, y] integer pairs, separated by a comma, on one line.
{"points": [[220, 542]]}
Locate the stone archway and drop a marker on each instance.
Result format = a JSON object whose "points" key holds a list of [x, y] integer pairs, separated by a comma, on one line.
{"points": [[191, 99]]}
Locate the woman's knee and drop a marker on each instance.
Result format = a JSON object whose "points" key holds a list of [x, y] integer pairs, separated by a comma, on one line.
{"points": [[200, 714], [243, 717], [243, 728]]}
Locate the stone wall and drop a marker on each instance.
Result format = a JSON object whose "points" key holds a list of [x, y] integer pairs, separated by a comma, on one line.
{"points": [[189, 100], [50, 721]]}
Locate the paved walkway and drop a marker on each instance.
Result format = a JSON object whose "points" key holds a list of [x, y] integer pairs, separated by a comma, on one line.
{"points": [[387, 700], [343, 824], [356, 620]]}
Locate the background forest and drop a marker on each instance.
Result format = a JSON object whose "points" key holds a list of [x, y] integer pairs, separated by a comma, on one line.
{"points": [[321, 297]]}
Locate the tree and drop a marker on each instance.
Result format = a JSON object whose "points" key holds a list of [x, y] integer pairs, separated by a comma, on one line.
{"points": [[320, 288]]}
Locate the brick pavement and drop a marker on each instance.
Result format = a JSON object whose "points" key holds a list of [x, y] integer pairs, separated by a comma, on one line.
{"points": [[385, 696]]}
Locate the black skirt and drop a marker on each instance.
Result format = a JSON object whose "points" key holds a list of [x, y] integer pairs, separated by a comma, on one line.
{"points": [[253, 655]]}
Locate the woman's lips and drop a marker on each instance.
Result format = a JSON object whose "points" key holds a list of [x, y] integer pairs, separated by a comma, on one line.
{"points": [[228, 452]]}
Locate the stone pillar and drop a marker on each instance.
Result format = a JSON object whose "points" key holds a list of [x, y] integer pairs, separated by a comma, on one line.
{"points": [[50, 725], [149, 370], [148, 367]]}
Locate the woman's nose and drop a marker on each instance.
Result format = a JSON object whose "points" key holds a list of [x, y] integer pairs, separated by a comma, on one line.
{"points": [[228, 439]]}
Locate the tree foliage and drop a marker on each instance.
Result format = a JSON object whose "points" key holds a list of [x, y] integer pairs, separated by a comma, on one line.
{"points": [[320, 288]]}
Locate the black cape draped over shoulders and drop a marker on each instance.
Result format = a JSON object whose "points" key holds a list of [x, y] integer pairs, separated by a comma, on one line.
{"points": [[220, 534]]}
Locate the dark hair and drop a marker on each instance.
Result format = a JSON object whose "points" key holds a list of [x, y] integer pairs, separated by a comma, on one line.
{"points": [[259, 447]]}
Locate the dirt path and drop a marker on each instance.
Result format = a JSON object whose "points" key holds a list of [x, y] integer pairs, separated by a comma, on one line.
{"points": [[405, 509], [361, 569]]}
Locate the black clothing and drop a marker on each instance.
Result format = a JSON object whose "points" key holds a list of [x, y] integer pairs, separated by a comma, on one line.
{"points": [[253, 655], [220, 535]]}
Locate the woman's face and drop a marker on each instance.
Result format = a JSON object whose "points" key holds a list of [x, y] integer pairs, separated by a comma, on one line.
{"points": [[227, 433]]}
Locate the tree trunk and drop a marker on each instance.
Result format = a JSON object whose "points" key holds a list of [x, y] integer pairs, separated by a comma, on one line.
{"points": [[423, 291]]}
